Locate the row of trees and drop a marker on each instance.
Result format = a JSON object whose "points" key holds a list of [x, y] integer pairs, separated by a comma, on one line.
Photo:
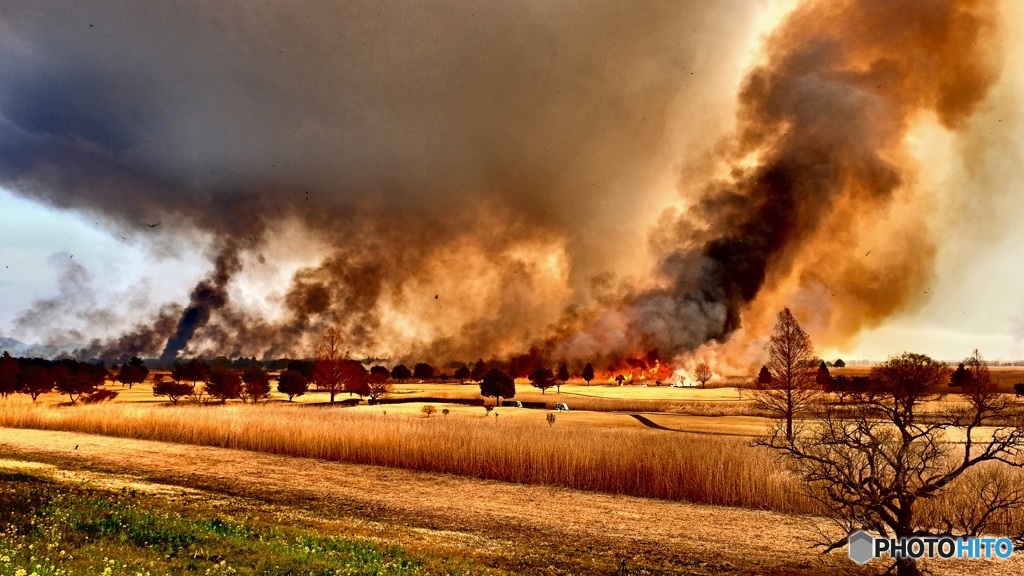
{"points": [[35, 377], [872, 462]]}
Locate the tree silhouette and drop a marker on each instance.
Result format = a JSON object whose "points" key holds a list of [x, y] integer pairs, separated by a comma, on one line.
{"points": [[68, 382], [563, 376], [354, 378], [542, 378], [292, 383], [401, 372], [78, 380], [497, 384], [193, 371], [839, 363], [35, 381], [224, 384], [960, 376], [9, 371], [132, 372], [588, 373], [620, 379], [173, 390], [702, 373], [462, 374], [383, 371], [823, 378], [423, 371], [304, 367], [478, 370], [256, 384], [791, 357], [871, 464], [764, 377], [329, 372]]}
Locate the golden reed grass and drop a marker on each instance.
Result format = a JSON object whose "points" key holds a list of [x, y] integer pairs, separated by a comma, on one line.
{"points": [[578, 401], [638, 462]]}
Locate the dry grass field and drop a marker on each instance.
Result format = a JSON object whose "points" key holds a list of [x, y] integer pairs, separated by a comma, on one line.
{"points": [[672, 445], [495, 528], [578, 451]]}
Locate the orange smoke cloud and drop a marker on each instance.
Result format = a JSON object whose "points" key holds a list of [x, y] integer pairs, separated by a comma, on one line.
{"points": [[817, 209]]}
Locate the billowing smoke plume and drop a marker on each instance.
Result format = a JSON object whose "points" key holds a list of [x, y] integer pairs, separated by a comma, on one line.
{"points": [[816, 174], [455, 180], [208, 296]]}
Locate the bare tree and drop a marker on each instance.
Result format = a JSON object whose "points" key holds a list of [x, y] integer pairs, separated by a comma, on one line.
{"points": [[873, 465], [791, 389], [377, 386], [702, 373], [329, 371]]}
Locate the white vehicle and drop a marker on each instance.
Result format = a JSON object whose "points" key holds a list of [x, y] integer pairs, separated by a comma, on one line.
{"points": [[562, 407], [514, 404]]}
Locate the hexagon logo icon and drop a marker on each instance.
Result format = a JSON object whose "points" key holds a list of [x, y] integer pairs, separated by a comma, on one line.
{"points": [[861, 546]]}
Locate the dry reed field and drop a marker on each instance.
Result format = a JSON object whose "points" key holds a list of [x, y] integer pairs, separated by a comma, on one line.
{"points": [[698, 402], [639, 462]]}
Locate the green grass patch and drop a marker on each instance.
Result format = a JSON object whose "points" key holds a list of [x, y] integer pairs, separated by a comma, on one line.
{"points": [[48, 528]]}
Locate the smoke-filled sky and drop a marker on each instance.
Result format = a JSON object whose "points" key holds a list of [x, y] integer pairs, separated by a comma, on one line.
{"points": [[451, 180]]}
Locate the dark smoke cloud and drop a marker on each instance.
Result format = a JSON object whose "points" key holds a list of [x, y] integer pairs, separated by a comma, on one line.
{"points": [[381, 128], [208, 296], [462, 172]]}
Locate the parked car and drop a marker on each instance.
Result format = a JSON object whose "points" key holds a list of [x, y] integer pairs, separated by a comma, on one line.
{"points": [[562, 407], [514, 404]]}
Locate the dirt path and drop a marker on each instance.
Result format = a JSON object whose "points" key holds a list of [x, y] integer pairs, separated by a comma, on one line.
{"points": [[517, 528]]}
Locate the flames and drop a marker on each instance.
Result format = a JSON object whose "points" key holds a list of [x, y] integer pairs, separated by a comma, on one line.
{"points": [[641, 371]]}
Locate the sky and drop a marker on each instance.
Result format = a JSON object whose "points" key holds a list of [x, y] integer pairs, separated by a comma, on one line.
{"points": [[458, 179]]}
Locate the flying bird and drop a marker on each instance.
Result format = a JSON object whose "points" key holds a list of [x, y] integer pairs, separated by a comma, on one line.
{"points": [[153, 225]]}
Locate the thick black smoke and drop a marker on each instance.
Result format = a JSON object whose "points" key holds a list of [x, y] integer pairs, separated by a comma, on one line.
{"points": [[469, 174], [208, 296]]}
